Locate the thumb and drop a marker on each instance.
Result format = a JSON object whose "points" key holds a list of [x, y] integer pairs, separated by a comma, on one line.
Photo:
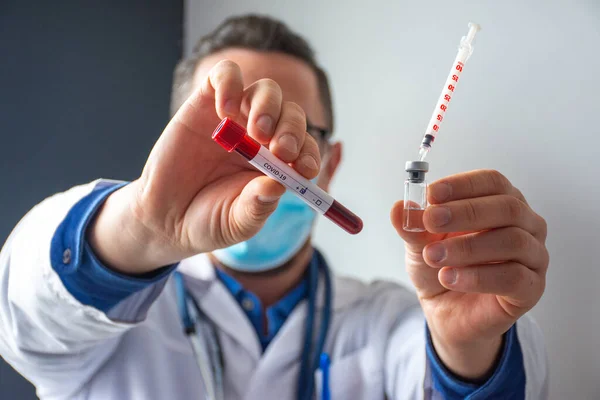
{"points": [[253, 206]]}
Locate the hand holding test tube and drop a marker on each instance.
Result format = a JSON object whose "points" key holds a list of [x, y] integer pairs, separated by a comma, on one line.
{"points": [[233, 137]]}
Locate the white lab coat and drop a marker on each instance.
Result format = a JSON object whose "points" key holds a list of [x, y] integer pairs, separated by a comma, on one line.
{"points": [[138, 350]]}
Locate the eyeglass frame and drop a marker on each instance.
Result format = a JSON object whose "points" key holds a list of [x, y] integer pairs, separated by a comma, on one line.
{"points": [[320, 134]]}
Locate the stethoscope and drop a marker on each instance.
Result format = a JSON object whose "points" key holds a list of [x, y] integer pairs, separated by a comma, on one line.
{"points": [[207, 351]]}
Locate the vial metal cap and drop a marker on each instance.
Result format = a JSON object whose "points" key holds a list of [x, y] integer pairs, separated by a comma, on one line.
{"points": [[417, 166]]}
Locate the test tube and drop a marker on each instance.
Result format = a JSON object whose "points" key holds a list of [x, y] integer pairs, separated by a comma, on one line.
{"points": [[415, 196], [233, 137]]}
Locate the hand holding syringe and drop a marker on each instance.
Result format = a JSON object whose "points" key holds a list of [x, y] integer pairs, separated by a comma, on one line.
{"points": [[465, 50]]}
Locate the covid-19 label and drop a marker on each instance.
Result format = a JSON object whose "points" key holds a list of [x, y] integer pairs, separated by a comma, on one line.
{"points": [[273, 167]]}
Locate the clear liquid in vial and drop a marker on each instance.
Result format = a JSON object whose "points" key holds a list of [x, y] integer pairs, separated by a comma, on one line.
{"points": [[413, 219]]}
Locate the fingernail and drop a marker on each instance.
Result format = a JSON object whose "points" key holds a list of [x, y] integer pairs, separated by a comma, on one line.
{"points": [[230, 107], [265, 124], [440, 191], [309, 162], [436, 252], [289, 143], [268, 199], [448, 276], [439, 216]]}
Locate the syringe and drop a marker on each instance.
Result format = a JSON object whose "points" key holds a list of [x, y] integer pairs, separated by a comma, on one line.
{"points": [[465, 49]]}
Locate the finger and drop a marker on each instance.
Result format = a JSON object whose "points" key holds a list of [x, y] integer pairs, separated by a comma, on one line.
{"points": [[481, 213], [263, 100], [423, 277], [522, 285], [290, 132], [498, 245], [471, 184], [416, 240], [253, 206], [224, 83], [308, 162]]}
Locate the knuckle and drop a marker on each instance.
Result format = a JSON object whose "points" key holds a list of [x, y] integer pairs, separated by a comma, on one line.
{"points": [[513, 208], [295, 116], [225, 64], [514, 277], [543, 227], [295, 109], [518, 240], [270, 85], [499, 181], [465, 246], [471, 213], [518, 194], [540, 289], [545, 259], [224, 69], [475, 278], [471, 183], [257, 214], [311, 145], [266, 94]]}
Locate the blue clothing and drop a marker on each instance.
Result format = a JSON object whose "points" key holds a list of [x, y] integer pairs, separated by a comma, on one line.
{"points": [[80, 271], [275, 315], [507, 382], [93, 284]]}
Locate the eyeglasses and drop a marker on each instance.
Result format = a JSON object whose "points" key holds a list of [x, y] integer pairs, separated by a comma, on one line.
{"points": [[321, 135]]}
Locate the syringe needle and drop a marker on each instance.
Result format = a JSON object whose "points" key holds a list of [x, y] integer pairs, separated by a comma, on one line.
{"points": [[423, 153]]}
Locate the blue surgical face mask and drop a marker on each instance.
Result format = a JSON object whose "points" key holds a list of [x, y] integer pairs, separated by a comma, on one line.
{"points": [[282, 236]]}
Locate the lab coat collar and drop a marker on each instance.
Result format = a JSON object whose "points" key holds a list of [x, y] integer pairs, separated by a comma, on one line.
{"points": [[218, 304]]}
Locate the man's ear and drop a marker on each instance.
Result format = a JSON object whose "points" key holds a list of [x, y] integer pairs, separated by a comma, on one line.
{"points": [[329, 168]]}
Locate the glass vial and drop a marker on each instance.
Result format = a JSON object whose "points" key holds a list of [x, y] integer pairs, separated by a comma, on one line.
{"points": [[415, 196]]}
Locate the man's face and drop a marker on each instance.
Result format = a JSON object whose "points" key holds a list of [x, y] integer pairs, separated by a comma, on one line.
{"points": [[298, 83]]}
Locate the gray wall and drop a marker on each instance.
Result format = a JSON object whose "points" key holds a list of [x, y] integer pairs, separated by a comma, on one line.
{"points": [[84, 93], [525, 106]]}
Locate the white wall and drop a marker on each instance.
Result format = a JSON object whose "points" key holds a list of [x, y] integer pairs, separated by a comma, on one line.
{"points": [[525, 106]]}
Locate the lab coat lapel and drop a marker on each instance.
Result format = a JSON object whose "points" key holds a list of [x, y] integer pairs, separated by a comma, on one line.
{"points": [[282, 356], [280, 364], [218, 304], [225, 312]]}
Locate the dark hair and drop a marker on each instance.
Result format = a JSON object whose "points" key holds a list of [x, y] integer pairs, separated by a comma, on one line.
{"points": [[253, 32]]}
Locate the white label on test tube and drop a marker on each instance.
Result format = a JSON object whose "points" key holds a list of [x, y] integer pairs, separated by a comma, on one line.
{"points": [[313, 195]]}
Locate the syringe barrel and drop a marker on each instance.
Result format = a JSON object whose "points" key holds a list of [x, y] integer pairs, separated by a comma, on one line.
{"points": [[464, 51]]}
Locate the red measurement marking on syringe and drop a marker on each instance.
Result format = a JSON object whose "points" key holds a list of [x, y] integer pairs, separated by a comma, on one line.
{"points": [[447, 95]]}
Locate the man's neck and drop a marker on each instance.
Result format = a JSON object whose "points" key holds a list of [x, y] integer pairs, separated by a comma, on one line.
{"points": [[271, 286]]}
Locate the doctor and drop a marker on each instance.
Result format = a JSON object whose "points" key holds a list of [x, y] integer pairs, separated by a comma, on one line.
{"points": [[199, 278]]}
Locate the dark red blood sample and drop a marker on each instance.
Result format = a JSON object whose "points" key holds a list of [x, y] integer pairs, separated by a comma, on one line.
{"points": [[344, 218]]}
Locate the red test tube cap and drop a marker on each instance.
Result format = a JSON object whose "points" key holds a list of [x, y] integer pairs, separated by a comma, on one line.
{"points": [[229, 134]]}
